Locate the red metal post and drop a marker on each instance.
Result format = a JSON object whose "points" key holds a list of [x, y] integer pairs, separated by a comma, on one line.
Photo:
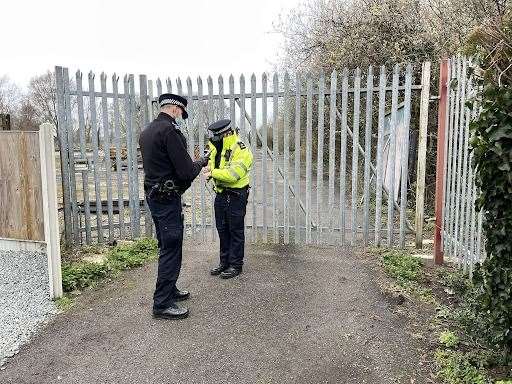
{"points": [[441, 128]]}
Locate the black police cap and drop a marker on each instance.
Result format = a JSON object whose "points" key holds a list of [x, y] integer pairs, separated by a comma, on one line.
{"points": [[172, 99], [220, 126]]}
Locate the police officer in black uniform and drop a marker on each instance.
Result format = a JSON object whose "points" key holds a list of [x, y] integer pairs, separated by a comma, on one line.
{"points": [[169, 172]]}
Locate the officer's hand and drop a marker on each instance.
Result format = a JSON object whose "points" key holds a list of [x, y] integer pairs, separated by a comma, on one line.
{"points": [[204, 160], [207, 173]]}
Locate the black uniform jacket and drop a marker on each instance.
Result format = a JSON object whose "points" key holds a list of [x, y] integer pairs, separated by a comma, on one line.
{"points": [[164, 154]]}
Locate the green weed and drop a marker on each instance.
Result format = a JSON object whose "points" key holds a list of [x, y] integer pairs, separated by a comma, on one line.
{"points": [[449, 339], [456, 368], [80, 275]]}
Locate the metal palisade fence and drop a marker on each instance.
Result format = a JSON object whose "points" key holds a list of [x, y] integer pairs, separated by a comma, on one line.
{"points": [[331, 154], [462, 224]]}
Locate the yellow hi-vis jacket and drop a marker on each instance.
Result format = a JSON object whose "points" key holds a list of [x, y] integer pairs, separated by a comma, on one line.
{"points": [[235, 164]]}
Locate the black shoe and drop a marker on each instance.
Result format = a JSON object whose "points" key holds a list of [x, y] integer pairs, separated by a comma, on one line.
{"points": [[181, 295], [218, 270], [172, 313], [230, 272]]}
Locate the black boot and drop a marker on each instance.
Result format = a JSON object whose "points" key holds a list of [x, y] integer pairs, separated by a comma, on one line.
{"points": [[230, 272], [218, 270], [172, 313], [181, 295]]}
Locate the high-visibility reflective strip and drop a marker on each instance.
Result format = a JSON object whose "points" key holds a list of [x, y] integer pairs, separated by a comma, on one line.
{"points": [[234, 174], [240, 164]]}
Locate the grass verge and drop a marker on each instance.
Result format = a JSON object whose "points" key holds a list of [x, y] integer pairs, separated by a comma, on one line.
{"points": [[77, 275], [464, 351], [407, 273]]}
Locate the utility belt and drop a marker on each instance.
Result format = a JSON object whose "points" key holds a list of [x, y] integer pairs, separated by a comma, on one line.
{"points": [[166, 188], [234, 191]]}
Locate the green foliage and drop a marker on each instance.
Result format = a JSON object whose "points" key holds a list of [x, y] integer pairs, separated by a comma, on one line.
{"points": [[449, 339], [457, 368], [454, 279], [80, 275], [491, 141], [407, 271], [402, 266], [64, 303]]}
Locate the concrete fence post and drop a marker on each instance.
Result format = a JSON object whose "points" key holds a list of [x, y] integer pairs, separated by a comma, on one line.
{"points": [[50, 213]]}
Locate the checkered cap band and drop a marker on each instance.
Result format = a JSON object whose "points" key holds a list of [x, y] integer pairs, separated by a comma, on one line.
{"points": [[173, 102]]}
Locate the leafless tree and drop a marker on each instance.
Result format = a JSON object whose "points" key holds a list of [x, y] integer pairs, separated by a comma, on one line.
{"points": [[10, 96], [43, 96]]}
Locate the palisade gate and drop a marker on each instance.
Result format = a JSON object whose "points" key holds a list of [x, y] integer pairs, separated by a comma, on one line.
{"points": [[459, 232], [331, 154]]}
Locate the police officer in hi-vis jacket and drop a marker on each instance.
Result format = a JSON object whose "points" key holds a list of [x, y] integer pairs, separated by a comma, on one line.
{"points": [[229, 167]]}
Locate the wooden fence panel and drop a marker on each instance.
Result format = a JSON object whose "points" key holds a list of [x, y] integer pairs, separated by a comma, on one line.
{"points": [[21, 210]]}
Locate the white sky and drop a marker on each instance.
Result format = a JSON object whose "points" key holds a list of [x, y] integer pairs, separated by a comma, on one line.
{"points": [[165, 38]]}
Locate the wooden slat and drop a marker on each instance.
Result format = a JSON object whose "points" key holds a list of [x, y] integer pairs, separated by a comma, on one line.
{"points": [[296, 154], [355, 153], [144, 99], [332, 150], [422, 153], [286, 163], [392, 154], [71, 154], [275, 153], [83, 151], [254, 146], [264, 147], [367, 156], [309, 144], [119, 149], [200, 129], [405, 154], [343, 154], [380, 149], [96, 162], [320, 157], [106, 155], [64, 155]]}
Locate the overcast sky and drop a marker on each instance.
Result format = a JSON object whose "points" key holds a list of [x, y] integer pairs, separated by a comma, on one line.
{"points": [[157, 37]]}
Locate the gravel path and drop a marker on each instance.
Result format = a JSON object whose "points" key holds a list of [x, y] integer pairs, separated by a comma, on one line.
{"points": [[303, 315], [24, 299]]}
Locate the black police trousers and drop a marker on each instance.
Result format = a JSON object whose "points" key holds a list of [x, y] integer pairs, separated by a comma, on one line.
{"points": [[230, 208], [167, 216]]}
